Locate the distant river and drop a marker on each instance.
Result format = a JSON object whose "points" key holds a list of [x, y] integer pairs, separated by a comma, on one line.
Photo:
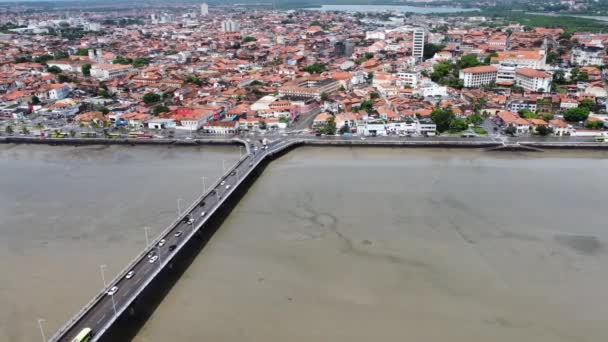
{"points": [[383, 8]]}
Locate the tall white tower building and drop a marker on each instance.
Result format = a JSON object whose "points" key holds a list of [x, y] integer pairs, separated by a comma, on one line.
{"points": [[418, 44], [230, 26], [204, 9]]}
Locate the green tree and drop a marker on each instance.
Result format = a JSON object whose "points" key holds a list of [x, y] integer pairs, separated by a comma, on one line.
{"points": [[431, 49], [367, 105], [511, 130], [330, 126], [72, 133], [263, 125], [86, 69], [35, 100], [588, 104], [151, 98], [54, 69], [122, 60], [374, 95], [548, 116], [39, 126], [442, 117], [559, 76], [468, 61], [9, 130], [160, 109], [249, 39], [315, 68], [344, 129], [576, 114], [458, 125], [324, 96], [61, 78], [24, 130], [104, 110], [594, 124], [140, 62], [475, 119], [82, 52], [544, 130], [527, 114]]}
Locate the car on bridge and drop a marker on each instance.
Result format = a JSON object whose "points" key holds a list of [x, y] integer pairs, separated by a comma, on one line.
{"points": [[130, 275], [112, 291], [190, 220], [161, 242], [178, 234], [153, 259]]}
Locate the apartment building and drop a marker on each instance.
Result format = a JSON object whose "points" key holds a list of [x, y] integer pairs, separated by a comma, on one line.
{"points": [[309, 87], [478, 76], [418, 44], [533, 80], [107, 71]]}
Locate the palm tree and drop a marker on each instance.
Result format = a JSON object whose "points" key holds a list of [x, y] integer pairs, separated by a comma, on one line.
{"points": [[72, 133], [9, 130], [39, 126], [24, 130]]}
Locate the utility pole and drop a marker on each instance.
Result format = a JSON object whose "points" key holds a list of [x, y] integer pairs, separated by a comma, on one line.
{"points": [[204, 187], [103, 277], [40, 321], [146, 230], [179, 208]]}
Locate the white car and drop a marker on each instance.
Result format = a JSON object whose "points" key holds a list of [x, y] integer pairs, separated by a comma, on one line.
{"points": [[130, 275], [161, 243], [113, 290], [223, 182], [178, 234], [203, 213], [191, 220], [153, 259], [227, 186]]}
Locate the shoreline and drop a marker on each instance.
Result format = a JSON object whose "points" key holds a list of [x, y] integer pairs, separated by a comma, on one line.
{"points": [[536, 146]]}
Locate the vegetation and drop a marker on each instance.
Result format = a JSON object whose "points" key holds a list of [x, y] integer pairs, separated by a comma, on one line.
{"points": [[151, 98], [588, 104], [443, 118], [315, 68], [249, 39], [480, 131], [86, 69], [367, 105], [54, 69], [511, 130], [194, 80], [431, 49], [122, 60], [446, 73], [576, 114], [329, 128], [140, 62], [82, 52], [475, 119], [9, 130], [594, 124], [160, 109], [527, 114], [544, 130]]}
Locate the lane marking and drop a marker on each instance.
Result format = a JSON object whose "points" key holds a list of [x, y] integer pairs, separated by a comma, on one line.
{"points": [[101, 319]]}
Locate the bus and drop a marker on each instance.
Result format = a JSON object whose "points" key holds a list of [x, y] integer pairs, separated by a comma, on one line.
{"points": [[88, 134], [139, 135], [84, 335], [113, 135], [58, 134]]}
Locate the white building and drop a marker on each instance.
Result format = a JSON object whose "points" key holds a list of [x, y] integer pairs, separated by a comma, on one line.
{"points": [[533, 80], [407, 78], [106, 71], [588, 56], [418, 44], [535, 59], [204, 9], [230, 26], [375, 35], [478, 76]]}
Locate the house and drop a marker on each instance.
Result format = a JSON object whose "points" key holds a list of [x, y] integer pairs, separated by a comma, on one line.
{"points": [[560, 127], [513, 119], [374, 128], [321, 119], [54, 91], [346, 119], [221, 127], [161, 123], [106, 71]]}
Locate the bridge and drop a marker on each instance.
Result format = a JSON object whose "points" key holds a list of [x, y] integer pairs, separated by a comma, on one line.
{"points": [[135, 280]]}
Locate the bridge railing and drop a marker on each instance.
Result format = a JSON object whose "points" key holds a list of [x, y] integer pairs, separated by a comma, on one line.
{"points": [[145, 251]]}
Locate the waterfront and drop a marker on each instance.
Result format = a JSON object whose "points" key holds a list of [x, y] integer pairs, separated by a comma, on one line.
{"points": [[358, 244], [392, 8], [64, 211]]}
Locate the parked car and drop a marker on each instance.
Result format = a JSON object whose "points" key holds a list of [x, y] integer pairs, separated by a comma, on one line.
{"points": [[113, 290]]}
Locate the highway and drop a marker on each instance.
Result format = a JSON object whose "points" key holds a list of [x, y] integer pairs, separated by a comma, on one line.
{"points": [[101, 314]]}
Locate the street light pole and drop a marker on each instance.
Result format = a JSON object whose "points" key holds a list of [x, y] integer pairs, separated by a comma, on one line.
{"points": [[103, 277], [40, 320], [223, 166], [179, 208], [114, 305], [146, 230], [204, 187]]}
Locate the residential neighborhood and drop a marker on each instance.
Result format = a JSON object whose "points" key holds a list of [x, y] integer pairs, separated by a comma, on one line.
{"points": [[228, 71]]}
